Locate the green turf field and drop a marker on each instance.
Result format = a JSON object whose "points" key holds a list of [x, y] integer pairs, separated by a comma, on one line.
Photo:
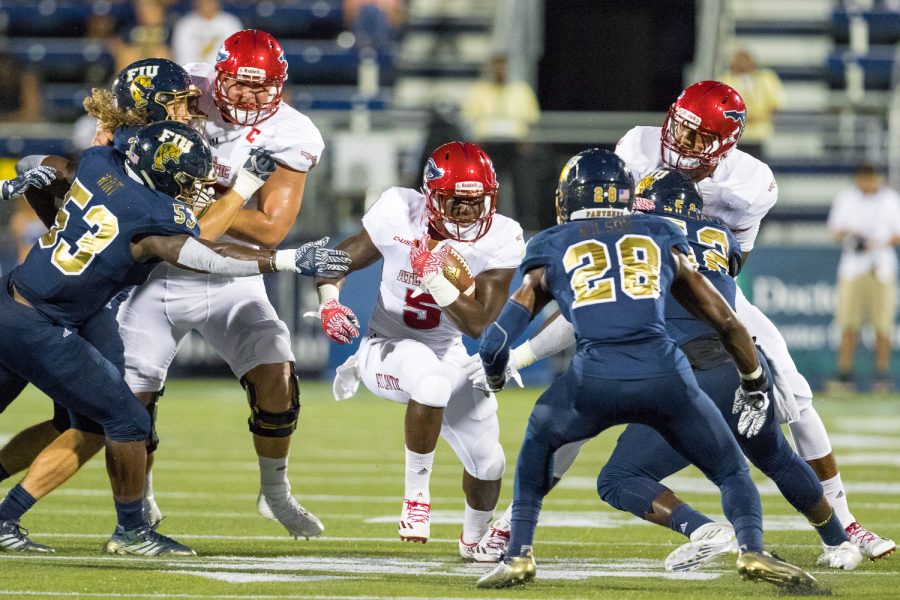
{"points": [[347, 467]]}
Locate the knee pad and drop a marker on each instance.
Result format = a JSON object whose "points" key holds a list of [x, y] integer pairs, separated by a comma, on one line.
{"points": [[271, 424], [810, 436], [489, 461], [434, 390], [61, 420], [153, 440]]}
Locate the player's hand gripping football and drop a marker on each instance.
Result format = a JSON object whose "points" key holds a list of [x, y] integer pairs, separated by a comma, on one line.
{"points": [[38, 177], [257, 169], [751, 400], [475, 372], [313, 259], [427, 264], [338, 322]]}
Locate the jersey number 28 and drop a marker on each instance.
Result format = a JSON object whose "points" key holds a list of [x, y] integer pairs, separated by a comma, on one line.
{"points": [[587, 263]]}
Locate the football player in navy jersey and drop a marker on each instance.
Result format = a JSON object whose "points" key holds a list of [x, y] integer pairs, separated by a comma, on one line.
{"points": [[123, 215], [642, 458], [146, 91], [611, 271]]}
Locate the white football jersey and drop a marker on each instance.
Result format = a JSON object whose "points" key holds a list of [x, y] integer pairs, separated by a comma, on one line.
{"points": [[741, 190], [394, 223], [289, 135]]}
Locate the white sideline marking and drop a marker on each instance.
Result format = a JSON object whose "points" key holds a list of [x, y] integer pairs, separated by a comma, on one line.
{"points": [[228, 577]]}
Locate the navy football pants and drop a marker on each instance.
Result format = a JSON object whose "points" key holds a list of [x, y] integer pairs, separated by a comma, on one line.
{"points": [[642, 458], [70, 370], [578, 406]]}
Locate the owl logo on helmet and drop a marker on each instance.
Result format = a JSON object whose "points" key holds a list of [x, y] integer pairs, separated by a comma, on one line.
{"points": [[140, 90]]}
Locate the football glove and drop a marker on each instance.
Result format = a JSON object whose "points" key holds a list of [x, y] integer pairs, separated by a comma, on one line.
{"points": [[474, 371], [313, 259], [338, 322], [258, 167], [751, 400], [38, 178], [427, 262]]}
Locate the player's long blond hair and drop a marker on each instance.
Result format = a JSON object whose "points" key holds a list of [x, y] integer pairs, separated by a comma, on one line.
{"points": [[102, 106]]}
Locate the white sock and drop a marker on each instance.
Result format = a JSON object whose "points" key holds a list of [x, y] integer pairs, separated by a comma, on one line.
{"points": [[475, 524], [418, 474], [273, 481], [148, 485], [837, 497], [506, 519]]}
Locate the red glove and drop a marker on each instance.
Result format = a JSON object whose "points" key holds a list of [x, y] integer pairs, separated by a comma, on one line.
{"points": [[338, 322], [428, 262]]}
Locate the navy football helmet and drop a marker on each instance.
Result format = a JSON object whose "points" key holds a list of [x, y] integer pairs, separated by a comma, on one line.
{"points": [[593, 182], [160, 87], [173, 158], [670, 192]]}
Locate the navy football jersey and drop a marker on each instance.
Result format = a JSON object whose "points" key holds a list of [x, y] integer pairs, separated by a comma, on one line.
{"points": [[713, 247], [85, 259], [610, 277]]}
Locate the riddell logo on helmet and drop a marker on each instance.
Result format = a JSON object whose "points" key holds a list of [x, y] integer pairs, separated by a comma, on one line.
{"points": [[251, 73], [469, 186], [688, 116]]}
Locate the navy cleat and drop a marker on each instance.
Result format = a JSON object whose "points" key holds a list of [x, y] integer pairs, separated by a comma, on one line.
{"points": [[14, 538], [145, 541]]}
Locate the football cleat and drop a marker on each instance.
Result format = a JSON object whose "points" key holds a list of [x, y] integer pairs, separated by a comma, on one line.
{"points": [[844, 556], [298, 521], [494, 543], [516, 570], [415, 520], [145, 541], [707, 543], [871, 545], [14, 538], [762, 566], [152, 514]]}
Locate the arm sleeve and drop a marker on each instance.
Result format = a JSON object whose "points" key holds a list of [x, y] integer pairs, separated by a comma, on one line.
{"points": [[195, 255], [558, 335]]}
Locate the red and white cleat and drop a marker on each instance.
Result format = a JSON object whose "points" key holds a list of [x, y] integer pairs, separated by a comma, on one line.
{"points": [[415, 520], [871, 545]]}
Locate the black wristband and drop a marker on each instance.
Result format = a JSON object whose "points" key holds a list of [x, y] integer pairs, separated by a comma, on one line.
{"points": [[757, 384]]}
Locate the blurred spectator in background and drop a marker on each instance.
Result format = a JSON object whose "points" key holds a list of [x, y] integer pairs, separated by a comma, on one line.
{"points": [[375, 23], [197, 36], [762, 93], [866, 219], [500, 114], [24, 228], [20, 93], [148, 38]]}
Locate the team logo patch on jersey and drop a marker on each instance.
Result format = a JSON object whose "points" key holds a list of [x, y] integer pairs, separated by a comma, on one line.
{"points": [[737, 115], [140, 89], [432, 171], [167, 152]]}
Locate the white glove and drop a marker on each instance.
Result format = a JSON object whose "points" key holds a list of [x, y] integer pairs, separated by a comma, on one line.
{"points": [[474, 371], [257, 169], [752, 402]]}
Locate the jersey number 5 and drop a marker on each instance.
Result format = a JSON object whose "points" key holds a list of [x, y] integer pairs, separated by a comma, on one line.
{"points": [[103, 227], [588, 263], [421, 312]]}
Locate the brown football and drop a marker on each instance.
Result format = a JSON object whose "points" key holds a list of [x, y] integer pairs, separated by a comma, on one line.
{"points": [[456, 270]]}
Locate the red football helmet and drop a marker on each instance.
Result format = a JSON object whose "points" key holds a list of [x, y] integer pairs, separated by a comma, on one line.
{"points": [[704, 124], [460, 188], [254, 57]]}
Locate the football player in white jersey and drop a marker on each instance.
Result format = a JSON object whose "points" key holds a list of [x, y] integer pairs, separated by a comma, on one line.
{"points": [[699, 137], [413, 351], [242, 100]]}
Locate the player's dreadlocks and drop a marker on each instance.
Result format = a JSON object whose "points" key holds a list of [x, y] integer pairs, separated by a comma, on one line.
{"points": [[102, 106]]}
